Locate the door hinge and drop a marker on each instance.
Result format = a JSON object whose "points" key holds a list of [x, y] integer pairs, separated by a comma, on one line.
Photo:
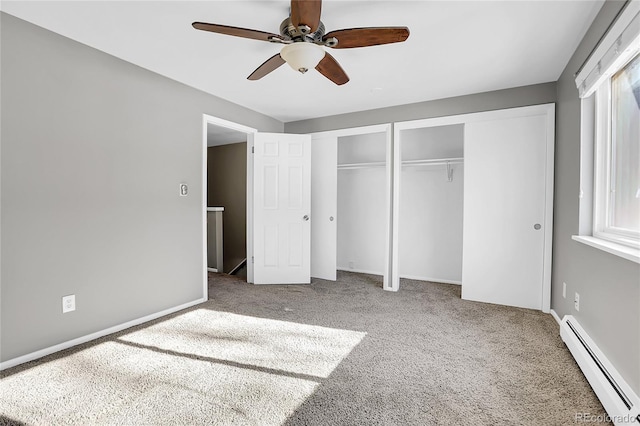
{"points": [[253, 149], [253, 259]]}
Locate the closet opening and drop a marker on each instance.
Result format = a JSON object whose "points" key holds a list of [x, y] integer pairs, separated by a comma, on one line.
{"points": [[351, 202], [362, 203], [431, 193]]}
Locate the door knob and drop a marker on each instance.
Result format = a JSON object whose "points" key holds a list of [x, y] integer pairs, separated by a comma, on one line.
{"points": [[537, 226], [331, 218], [305, 217]]}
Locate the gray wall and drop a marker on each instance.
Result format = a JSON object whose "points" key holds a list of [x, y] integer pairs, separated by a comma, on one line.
{"points": [[609, 286], [499, 99], [93, 150], [227, 187]]}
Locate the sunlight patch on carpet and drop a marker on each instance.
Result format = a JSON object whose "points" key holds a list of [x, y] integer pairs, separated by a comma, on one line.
{"points": [[202, 366], [271, 344]]}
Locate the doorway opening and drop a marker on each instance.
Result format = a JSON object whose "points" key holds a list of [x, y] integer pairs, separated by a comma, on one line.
{"points": [[225, 198]]}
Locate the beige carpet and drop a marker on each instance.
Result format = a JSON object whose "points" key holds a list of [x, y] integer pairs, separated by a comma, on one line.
{"points": [[344, 353]]}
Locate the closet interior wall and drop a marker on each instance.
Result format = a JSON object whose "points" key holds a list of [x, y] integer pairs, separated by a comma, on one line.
{"points": [[362, 218], [431, 203]]}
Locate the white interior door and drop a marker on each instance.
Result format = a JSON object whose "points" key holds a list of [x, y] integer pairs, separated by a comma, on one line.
{"points": [[281, 208], [324, 206], [504, 211]]}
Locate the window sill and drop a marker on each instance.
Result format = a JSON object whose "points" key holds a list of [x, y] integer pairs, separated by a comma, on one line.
{"points": [[626, 252]]}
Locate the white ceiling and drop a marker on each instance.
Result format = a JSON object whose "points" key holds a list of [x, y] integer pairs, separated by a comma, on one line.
{"points": [[455, 47]]}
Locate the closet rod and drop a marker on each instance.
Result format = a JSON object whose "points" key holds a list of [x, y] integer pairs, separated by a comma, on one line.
{"points": [[434, 162], [353, 166]]}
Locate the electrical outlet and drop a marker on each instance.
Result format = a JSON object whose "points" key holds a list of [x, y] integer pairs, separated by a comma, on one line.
{"points": [[68, 303], [576, 302], [564, 290]]}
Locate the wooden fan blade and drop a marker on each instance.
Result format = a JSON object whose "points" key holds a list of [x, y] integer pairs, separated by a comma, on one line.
{"points": [[362, 37], [269, 65], [235, 31], [331, 69], [306, 12]]}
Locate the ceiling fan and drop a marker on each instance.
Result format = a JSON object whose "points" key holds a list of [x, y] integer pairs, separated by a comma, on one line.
{"points": [[304, 37]]}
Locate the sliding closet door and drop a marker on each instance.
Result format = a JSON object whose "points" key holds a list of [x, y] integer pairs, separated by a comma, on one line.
{"points": [[324, 201], [505, 211]]}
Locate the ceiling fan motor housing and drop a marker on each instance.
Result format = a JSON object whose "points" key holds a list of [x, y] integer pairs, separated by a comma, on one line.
{"points": [[296, 34]]}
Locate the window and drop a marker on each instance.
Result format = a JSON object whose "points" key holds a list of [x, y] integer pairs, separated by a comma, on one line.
{"points": [[609, 85], [617, 170]]}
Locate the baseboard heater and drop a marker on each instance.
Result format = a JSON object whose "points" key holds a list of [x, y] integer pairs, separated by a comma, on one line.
{"points": [[617, 397]]}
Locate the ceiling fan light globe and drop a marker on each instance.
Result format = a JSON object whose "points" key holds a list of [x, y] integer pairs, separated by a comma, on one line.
{"points": [[302, 56]]}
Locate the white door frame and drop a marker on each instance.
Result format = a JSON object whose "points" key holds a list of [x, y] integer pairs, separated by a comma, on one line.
{"points": [[377, 128], [216, 121], [545, 109]]}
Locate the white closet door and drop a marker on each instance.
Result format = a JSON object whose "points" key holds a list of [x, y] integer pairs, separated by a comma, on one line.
{"points": [[281, 208], [504, 211], [324, 207]]}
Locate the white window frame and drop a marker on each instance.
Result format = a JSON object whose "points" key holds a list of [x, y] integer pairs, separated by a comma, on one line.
{"points": [[604, 157], [617, 47]]}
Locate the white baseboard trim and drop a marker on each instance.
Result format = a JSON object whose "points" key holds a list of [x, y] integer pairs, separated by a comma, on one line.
{"points": [[74, 342], [409, 277], [433, 280], [555, 316], [359, 271], [212, 270]]}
